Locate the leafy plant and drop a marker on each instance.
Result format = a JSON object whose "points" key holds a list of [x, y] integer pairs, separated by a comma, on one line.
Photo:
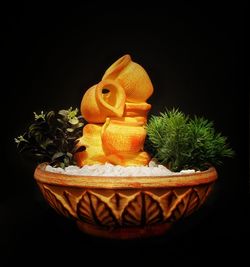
{"points": [[52, 136], [180, 142]]}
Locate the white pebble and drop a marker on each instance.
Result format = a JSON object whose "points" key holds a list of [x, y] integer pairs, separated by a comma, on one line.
{"points": [[187, 171], [108, 169]]}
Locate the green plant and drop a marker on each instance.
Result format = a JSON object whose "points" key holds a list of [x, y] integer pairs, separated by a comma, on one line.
{"points": [[52, 136], [180, 142]]}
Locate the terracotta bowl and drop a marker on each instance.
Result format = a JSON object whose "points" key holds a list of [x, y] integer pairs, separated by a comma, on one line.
{"points": [[125, 207]]}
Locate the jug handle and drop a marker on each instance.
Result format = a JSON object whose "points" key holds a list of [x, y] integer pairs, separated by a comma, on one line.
{"points": [[114, 88]]}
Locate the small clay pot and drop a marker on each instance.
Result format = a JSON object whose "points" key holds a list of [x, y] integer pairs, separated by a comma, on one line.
{"points": [[125, 207], [123, 136]]}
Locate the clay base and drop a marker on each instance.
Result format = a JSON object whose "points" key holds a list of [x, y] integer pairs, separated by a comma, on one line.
{"points": [[125, 232]]}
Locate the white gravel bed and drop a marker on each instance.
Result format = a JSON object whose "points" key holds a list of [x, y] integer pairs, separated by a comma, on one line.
{"points": [[108, 169]]}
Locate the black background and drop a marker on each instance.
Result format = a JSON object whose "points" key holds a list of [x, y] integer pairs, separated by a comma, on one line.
{"points": [[195, 58]]}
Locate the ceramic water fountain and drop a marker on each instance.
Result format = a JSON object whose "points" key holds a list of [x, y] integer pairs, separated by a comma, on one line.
{"points": [[116, 111]]}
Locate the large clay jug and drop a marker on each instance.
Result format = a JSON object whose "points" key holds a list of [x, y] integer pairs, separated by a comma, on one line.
{"points": [[132, 77]]}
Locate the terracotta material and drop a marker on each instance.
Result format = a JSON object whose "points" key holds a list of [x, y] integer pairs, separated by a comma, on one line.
{"points": [[116, 130], [125, 207]]}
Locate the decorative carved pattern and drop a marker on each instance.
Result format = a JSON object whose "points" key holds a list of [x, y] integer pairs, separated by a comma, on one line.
{"points": [[180, 205], [57, 202], [92, 209], [118, 203], [194, 201], [119, 209], [142, 210], [207, 189]]}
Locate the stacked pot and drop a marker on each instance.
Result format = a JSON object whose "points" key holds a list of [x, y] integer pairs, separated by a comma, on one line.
{"points": [[116, 112]]}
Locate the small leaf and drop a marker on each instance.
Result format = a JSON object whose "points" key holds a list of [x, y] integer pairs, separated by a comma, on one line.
{"points": [[20, 139], [72, 113], [66, 161], [39, 116], [69, 154], [24, 149], [61, 121], [70, 130], [79, 125], [39, 155], [57, 155], [50, 116], [60, 130], [47, 142], [73, 121], [62, 165], [63, 112]]}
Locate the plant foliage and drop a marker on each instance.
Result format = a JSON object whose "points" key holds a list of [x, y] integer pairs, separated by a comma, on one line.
{"points": [[52, 136], [180, 142]]}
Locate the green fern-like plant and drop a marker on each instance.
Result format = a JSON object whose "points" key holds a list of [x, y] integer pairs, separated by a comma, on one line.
{"points": [[51, 137], [181, 142]]}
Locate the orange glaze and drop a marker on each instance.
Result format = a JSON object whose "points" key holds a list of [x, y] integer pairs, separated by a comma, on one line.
{"points": [[116, 111]]}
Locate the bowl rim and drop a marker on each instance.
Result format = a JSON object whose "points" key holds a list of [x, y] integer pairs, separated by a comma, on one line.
{"points": [[124, 182]]}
